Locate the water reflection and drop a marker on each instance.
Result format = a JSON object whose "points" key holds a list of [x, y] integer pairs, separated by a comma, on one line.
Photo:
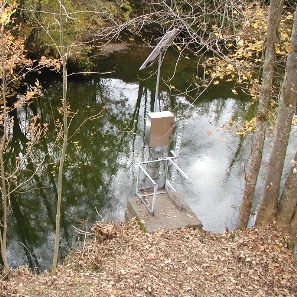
{"points": [[102, 155], [207, 153]]}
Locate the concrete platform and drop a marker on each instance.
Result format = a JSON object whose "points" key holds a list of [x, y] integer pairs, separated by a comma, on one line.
{"points": [[166, 214]]}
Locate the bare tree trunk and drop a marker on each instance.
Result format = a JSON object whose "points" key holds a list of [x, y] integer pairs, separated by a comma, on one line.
{"points": [[3, 234], [64, 144], [286, 110], [275, 12], [288, 200]]}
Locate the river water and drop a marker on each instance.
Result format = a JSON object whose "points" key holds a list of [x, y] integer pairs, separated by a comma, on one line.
{"points": [[102, 154]]}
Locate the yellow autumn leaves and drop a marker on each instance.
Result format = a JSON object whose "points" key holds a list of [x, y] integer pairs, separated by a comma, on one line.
{"points": [[6, 12], [245, 49]]}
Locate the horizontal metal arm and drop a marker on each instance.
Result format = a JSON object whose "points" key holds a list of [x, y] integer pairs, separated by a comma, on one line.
{"points": [[178, 169], [149, 177]]}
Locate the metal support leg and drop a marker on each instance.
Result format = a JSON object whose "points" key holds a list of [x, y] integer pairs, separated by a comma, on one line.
{"points": [[158, 82]]}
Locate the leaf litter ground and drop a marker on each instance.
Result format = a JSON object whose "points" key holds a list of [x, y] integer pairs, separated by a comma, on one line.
{"points": [[122, 260]]}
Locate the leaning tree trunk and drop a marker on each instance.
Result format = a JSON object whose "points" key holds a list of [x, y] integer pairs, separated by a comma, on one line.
{"points": [[275, 12], [288, 200], [286, 110]]}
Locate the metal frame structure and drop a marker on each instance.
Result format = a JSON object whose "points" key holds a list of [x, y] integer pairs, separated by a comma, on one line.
{"points": [[156, 54], [169, 187]]}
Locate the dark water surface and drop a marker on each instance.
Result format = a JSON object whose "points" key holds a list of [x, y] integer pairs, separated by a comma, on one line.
{"points": [[102, 154]]}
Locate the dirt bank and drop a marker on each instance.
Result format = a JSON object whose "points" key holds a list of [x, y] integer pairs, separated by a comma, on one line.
{"points": [[121, 260]]}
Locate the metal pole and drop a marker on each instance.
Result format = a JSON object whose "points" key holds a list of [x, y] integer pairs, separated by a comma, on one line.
{"points": [[155, 152], [158, 79]]}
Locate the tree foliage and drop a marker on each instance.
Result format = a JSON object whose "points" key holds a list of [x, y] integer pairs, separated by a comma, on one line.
{"points": [[83, 20]]}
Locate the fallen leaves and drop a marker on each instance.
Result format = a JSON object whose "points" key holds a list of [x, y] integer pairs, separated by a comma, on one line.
{"points": [[121, 260]]}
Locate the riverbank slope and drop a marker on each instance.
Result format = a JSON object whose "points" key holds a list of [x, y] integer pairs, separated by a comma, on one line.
{"points": [[122, 260]]}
